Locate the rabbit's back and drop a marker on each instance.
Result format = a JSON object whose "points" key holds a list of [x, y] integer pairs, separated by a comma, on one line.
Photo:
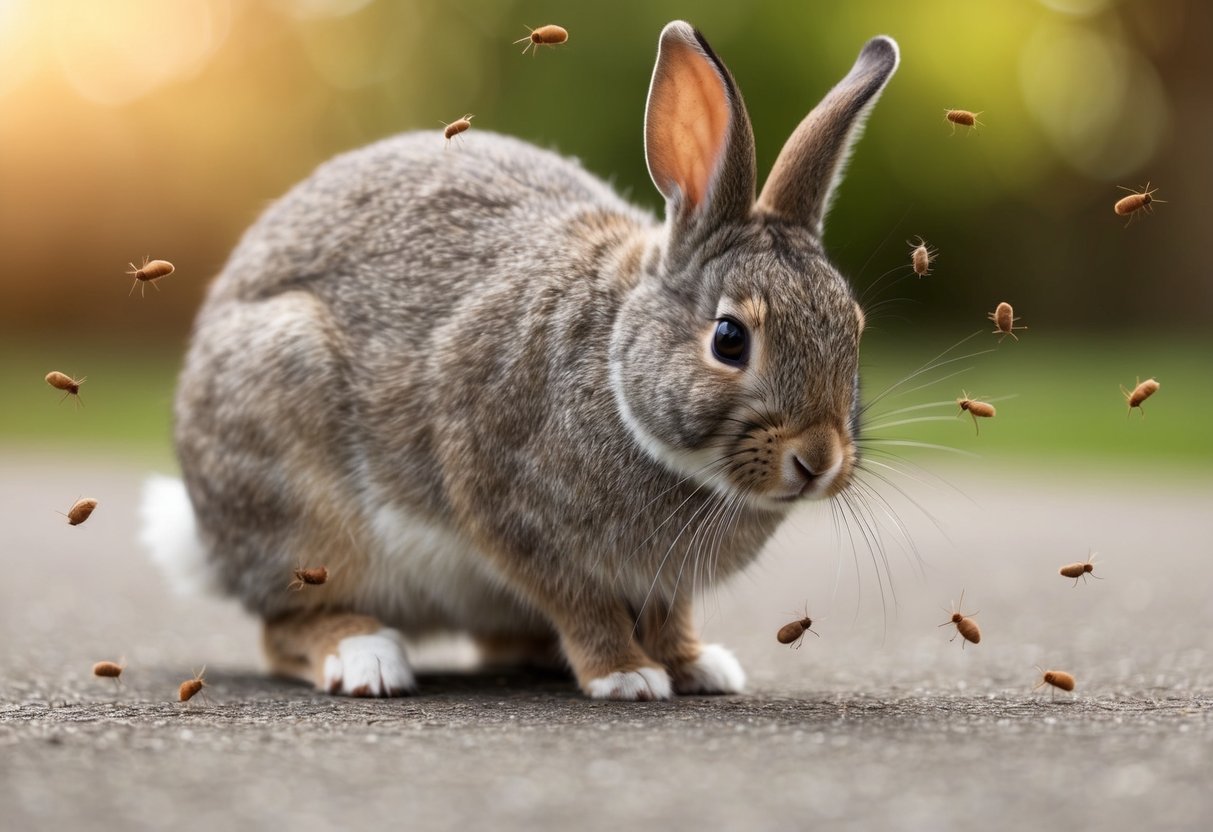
{"points": [[411, 220]]}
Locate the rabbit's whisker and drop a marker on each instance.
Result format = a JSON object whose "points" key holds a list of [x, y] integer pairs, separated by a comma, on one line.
{"points": [[712, 539], [894, 519], [884, 242], [739, 504], [913, 407], [693, 547], [910, 443], [875, 284], [875, 313], [664, 558], [930, 365], [939, 380], [900, 422], [627, 559], [864, 510], [929, 515], [896, 458], [849, 508]]}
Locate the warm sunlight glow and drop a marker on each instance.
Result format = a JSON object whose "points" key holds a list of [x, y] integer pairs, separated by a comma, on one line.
{"points": [[317, 9], [18, 54], [114, 53]]}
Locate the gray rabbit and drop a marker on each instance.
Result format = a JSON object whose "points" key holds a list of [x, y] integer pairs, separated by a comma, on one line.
{"points": [[492, 397]]}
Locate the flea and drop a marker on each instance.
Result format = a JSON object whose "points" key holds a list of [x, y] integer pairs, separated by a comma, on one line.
{"points": [[1055, 678], [109, 670], [61, 381], [80, 511], [1143, 390], [793, 633], [921, 257], [308, 577], [1137, 201], [457, 126], [965, 625], [1080, 570], [149, 272], [983, 409], [962, 117], [191, 687], [1004, 320], [550, 35]]}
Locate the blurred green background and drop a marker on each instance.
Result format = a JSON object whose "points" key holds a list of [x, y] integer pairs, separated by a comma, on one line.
{"points": [[163, 127]]}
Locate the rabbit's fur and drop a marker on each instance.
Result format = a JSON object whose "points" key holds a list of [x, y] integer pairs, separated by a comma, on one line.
{"points": [[479, 387]]}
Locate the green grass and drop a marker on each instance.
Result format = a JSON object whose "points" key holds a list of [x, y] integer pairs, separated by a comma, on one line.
{"points": [[1057, 397], [125, 407], [1064, 403]]}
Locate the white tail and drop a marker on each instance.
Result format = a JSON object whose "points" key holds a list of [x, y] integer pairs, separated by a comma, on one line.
{"points": [[169, 532]]}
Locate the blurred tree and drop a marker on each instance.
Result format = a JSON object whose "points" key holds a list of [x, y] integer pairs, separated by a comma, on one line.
{"points": [[163, 127]]}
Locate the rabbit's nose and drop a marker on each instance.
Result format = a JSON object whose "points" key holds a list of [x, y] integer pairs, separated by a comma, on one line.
{"points": [[813, 461], [804, 471]]}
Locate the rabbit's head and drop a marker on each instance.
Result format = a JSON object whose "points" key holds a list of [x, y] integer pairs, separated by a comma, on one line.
{"points": [[735, 357]]}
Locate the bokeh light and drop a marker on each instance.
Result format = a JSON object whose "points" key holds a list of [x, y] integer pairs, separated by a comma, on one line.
{"points": [[163, 127], [115, 53], [1097, 100]]}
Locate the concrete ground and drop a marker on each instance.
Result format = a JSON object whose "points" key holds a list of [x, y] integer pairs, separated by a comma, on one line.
{"points": [[880, 723]]}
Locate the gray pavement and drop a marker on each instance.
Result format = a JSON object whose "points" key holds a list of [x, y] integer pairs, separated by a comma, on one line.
{"points": [[880, 723]]}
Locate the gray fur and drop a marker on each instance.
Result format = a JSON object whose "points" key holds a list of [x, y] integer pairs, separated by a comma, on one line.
{"points": [[810, 165], [438, 329]]}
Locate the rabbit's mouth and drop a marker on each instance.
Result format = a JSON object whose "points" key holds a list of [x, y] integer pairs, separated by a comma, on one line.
{"points": [[812, 484], [776, 467]]}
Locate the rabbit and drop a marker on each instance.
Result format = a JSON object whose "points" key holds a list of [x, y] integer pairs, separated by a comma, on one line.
{"points": [[492, 397]]}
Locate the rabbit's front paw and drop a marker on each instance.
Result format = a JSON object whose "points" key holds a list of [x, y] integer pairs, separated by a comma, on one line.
{"points": [[716, 670], [369, 665], [640, 685]]}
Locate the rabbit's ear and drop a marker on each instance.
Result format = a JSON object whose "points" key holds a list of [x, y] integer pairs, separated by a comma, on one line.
{"points": [[697, 136], [811, 163]]}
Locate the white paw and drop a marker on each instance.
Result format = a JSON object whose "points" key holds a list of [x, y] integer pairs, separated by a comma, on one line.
{"points": [[715, 671], [641, 685], [372, 665]]}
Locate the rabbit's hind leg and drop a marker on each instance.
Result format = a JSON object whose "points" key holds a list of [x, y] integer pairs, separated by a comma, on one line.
{"points": [[340, 653], [668, 635]]}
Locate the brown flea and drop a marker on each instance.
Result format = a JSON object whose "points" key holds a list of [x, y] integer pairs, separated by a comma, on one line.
{"points": [[1055, 678], [1136, 202], [80, 511], [1004, 320], [965, 625], [550, 35], [793, 633], [983, 409], [313, 577], [962, 117], [109, 670], [921, 257], [191, 687], [457, 126], [150, 272], [61, 381], [1143, 390], [1080, 570]]}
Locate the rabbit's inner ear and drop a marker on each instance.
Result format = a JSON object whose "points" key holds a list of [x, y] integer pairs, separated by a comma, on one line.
{"points": [[698, 143], [686, 124]]}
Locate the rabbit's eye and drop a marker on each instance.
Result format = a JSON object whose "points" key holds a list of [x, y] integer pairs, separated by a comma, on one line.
{"points": [[731, 342]]}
